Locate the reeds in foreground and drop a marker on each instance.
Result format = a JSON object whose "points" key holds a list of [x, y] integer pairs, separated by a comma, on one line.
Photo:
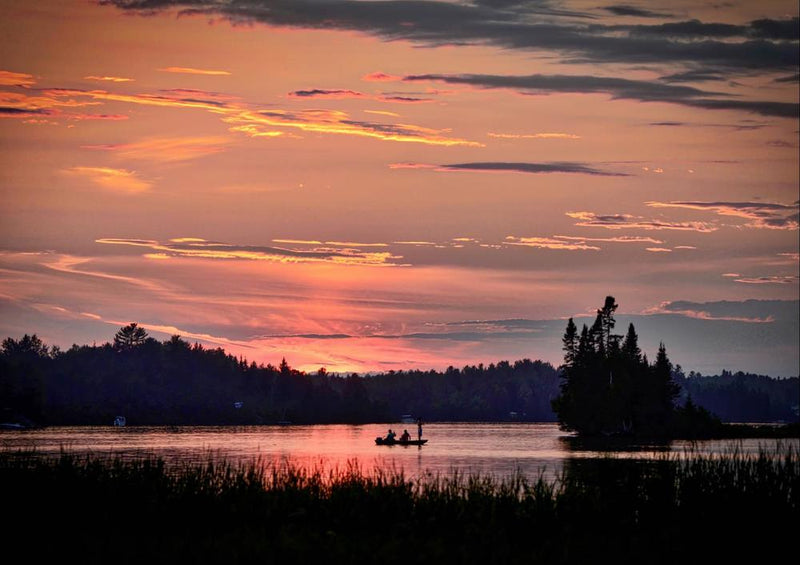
{"points": [[732, 507]]}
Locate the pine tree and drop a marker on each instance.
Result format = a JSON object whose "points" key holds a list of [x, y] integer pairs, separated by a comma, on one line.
{"points": [[570, 341], [129, 337], [630, 346]]}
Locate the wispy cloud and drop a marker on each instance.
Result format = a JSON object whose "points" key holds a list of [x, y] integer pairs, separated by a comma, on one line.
{"points": [[616, 88], [40, 104], [338, 94], [635, 11], [82, 266], [10, 78], [118, 180], [620, 239], [534, 135], [263, 123], [167, 149], [382, 113], [338, 122], [550, 243], [626, 221], [334, 94], [108, 78], [204, 249], [747, 312], [194, 71], [771, 279], [765, 215], [501, 167], [98, 117]]}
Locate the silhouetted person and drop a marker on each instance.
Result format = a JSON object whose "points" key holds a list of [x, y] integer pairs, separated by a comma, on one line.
{"points": [[390, 436], [419, 428], [406, 436]]}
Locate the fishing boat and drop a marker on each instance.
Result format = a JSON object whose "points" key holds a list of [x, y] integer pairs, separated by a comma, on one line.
{"points": [[383, 441]]}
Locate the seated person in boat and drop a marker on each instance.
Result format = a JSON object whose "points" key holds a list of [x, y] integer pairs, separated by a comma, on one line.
{"points": [[390, 436], [406, 436]]}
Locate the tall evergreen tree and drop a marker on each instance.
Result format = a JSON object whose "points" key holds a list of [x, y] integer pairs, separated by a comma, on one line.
{"points": [[570, 341], [630, 346]]}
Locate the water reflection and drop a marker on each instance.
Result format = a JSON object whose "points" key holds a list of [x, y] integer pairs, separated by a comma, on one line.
{"points": [[499, 449]]}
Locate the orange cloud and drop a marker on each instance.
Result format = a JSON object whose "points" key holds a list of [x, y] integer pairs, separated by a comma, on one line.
{"points": [[354, 244], [200, 248], [108, 78], [620, 239], [382, 113], [549, 243], [9, 78], [338, 122], [626, 221], [21, 105], [120, 180], [257, 123]]}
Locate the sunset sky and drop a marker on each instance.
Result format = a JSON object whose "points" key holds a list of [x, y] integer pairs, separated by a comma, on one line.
{"points": [[397, 184]]}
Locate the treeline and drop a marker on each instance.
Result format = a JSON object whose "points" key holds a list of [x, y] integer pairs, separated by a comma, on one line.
{"points": [[177, 383], [743, 397]]}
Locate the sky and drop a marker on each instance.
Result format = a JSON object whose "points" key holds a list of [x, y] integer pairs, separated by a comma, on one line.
{"points": [[393, 184]]}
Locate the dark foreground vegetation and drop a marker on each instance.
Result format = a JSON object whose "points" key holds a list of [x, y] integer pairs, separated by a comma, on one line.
{"points": [[674, 509]]}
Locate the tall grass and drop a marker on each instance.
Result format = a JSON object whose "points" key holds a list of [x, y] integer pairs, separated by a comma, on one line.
{"points": [[664, 510]]}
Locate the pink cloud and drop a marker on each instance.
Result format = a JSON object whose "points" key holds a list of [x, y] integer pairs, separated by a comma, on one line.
{"points": [[194, 71]]}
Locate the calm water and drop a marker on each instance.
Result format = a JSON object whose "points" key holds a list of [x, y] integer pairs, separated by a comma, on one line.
{"points": [[498, 449]]}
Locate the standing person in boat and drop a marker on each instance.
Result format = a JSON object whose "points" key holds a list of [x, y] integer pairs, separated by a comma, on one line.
{"points": [[419, 428], [405, 436]]}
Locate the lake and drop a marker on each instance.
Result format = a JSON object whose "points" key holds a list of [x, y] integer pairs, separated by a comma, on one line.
{"points": [[498, 449]]}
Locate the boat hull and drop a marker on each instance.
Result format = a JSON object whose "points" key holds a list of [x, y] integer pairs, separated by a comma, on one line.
{"points": [[382, 441]]}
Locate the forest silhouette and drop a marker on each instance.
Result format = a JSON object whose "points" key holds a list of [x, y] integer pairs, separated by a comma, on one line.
{"points": [[606, 386]]}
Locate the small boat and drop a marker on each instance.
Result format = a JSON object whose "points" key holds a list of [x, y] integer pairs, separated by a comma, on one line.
{"points": [[384, 441], [407, 419]]}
